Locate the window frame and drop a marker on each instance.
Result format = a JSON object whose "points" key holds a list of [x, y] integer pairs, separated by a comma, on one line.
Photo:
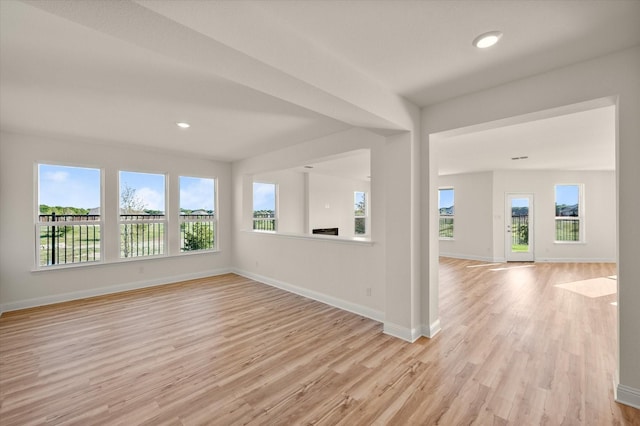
{"points": [[213, 219], [580, 218], [164, 221], [275, 218], [446, 217], [364, 216], [38, 222]]}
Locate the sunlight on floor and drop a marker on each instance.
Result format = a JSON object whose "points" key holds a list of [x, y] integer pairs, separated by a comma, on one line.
{"points": [[596, 287]]}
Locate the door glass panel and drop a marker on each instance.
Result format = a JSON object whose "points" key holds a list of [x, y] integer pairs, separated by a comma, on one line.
{"points": [[520, 225]]}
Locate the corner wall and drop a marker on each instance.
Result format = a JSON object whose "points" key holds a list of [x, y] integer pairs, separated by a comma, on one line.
{"points": [[21, 286], [615, 78], [332, 271]]}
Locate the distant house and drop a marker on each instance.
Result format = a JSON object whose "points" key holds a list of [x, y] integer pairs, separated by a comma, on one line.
{"points": [[568, 210]]}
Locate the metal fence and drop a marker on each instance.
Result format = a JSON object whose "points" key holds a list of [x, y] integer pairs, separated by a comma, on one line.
{"points": [[446, 227], [141, 235], [264, 221], [568, 229], [65, 239], [197, 232], [519, 230]]}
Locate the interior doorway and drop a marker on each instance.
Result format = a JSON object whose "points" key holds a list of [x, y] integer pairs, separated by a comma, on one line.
{"points": [[519, 228]]}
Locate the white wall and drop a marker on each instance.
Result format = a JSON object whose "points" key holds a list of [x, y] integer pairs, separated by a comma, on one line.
{"points": [[331, 202], [614, 79], [480, 209], [473, 218], [599, 206], [335, 271], [21, 287]]}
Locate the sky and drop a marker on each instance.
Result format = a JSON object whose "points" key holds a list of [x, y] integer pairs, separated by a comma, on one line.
{"points": [[445, 198], [68, 186], [197, 193], [264, 196], [567, 194], [80, 187]]}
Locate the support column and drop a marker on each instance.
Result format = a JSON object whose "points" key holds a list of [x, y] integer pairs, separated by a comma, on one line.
{"points": [[402, 240]]}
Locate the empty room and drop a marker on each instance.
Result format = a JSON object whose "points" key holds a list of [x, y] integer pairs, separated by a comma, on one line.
{"points": [[319, 212]]}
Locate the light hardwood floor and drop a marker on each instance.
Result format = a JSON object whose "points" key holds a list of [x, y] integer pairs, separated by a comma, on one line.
{"points": [[514, 349]]}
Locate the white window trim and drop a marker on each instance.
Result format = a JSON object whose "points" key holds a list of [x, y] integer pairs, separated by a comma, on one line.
{"points": [[38, 223], [580, 218], [164, 220], [276, 206], [182, 219], [452, 216], [365, 216]]}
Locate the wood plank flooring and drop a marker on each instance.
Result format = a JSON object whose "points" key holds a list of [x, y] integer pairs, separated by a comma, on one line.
{"points": [[514, 349]]}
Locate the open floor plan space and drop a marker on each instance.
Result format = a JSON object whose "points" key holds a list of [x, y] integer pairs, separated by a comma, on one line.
{"points": [[516, 347]]}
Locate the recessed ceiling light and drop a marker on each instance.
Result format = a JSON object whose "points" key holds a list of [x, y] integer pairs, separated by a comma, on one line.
{"points": [[487, 39], [183, 125]]}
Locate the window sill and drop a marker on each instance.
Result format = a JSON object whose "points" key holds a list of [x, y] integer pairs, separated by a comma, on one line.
{"points": [[330, 238], [573, 243], [120, 261]]}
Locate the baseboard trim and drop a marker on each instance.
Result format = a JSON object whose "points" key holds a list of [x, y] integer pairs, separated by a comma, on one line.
{"points": [[319, 297], [575, 260], [468, 257], [628, 396], [431, 330], [101, 291], [407, 334]]}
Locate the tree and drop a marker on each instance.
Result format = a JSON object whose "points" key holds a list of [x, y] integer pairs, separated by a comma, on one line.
{"points": [[198, 237], [130, 203]]}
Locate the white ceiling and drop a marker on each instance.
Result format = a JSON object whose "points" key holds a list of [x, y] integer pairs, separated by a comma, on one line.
{"points": [[578, 141], [254, 76]]}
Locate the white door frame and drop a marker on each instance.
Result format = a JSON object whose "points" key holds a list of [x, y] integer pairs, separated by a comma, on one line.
{"points": [[509, 254]]}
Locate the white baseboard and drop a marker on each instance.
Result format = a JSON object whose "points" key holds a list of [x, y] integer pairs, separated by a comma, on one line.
{"points": [[468, 257], [575, 260], [628, 396], [101, 291], [320, 297], [407, 334], [431, 330]]}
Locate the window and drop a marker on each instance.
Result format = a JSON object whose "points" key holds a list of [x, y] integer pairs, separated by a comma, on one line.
{"points": [[360, 212], [568, 213], [197, 214], [446, 212], [69, 221], [264, 206], [142, 218]]}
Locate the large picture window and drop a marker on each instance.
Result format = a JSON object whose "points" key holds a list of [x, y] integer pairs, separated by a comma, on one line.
{"points": [[142, 214], [446, 209], [68, 218], [197, 214], [568, 213], [265, 212]]}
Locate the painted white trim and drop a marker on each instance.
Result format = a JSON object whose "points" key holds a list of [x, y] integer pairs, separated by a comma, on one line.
{"points": [[319, 297], [431, 330], [627, 395], [404, 333], [83, 294], [468, 257], [575, 260], [315, 237]]}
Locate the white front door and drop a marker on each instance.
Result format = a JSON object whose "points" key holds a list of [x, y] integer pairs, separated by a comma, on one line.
{"points": [[519, 228]]}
